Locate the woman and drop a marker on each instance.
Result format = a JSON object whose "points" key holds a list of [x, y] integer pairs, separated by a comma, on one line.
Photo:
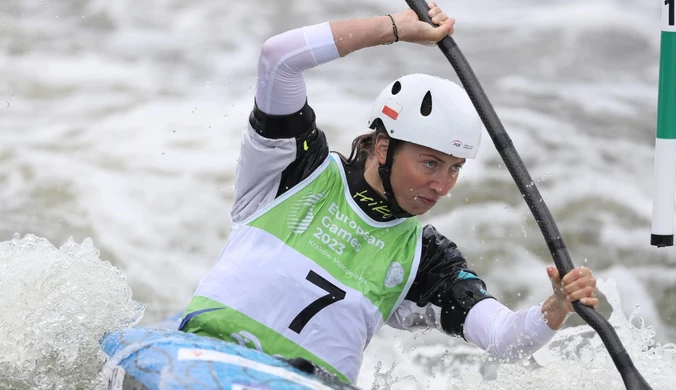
{"points": [[326, 249]]}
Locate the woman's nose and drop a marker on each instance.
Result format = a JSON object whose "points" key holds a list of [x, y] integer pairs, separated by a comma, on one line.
{"points": [[443, 184]]}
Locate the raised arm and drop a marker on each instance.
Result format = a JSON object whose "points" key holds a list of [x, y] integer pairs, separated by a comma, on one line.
{"points": [[352, 35], [284, 57]]}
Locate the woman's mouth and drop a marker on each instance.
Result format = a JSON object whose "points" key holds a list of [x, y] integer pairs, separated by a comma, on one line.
{"points": [[426, 201]]}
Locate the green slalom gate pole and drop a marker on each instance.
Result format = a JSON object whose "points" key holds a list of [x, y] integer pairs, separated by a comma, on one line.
{"points": [[664, 187]]}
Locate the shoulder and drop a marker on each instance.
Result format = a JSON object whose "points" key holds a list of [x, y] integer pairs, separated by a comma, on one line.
{"points": [[437, 248]]}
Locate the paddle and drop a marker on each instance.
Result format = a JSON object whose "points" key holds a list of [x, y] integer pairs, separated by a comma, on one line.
{"points": [[630, 375]]}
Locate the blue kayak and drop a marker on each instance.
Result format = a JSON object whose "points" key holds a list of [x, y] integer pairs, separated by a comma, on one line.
{"points": [[154, 359]]}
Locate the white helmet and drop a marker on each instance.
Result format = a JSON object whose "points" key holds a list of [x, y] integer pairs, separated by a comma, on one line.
{"points": [[447, 122]]}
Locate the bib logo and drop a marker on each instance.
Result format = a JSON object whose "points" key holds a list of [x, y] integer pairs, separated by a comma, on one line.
{"points": [[300, 224], [395, 275], [244, 338]]}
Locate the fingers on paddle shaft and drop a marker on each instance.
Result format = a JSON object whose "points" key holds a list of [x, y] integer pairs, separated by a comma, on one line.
{"points": [[436, 24], [440, 20], [580, 285]]}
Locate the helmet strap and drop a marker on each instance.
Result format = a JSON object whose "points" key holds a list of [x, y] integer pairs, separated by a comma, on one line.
{"points": [[385, 170]]}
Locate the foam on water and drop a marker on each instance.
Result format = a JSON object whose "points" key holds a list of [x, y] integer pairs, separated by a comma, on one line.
{"points": [[56, 305], [575, 358]]}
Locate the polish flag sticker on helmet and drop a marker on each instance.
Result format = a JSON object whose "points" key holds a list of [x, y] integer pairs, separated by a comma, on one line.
{"points": [[392, 109]]}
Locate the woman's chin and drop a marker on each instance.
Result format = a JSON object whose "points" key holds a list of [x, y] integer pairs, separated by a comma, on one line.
{"points": [[417, 209]]}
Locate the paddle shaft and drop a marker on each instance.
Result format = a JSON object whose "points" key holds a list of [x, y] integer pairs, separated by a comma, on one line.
{"points": [[503, 143]]}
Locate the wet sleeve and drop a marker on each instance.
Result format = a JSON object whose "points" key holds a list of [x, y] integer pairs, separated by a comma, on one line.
{"points": [[444, 289], [506, 334], [280, 87], [282, 144], [449, 296]]}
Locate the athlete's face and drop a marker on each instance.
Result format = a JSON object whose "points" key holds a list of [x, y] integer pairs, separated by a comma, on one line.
{"points": [[421, 176]]}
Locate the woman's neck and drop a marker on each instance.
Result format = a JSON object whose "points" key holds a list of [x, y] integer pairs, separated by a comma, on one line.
{"points": [[368, 198], [372, 177]]}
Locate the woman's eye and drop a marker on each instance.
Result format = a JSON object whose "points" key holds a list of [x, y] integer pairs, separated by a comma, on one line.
{"points": [[430, 164], [456, 168]]}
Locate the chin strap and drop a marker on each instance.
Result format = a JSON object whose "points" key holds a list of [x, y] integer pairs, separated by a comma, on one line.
{"points": [[384, 170]]}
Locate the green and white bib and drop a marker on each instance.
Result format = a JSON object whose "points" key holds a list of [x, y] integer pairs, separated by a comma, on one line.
{"points": [[310, 275]]}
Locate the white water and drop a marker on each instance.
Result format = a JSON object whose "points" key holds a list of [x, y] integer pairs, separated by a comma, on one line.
{"points": [[51, 339], [120, 121], [56, 305], [575, 358]]}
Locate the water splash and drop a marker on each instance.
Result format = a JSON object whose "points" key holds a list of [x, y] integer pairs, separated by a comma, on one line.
{"points": [[576, 358], [51, 322], [56, 305], [385, 380]]}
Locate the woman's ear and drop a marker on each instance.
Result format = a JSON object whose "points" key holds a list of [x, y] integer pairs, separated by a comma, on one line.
{"points": [[382, 142]]}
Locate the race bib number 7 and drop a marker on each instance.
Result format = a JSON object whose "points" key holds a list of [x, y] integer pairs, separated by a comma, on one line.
{"points": [[334, 295]]}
